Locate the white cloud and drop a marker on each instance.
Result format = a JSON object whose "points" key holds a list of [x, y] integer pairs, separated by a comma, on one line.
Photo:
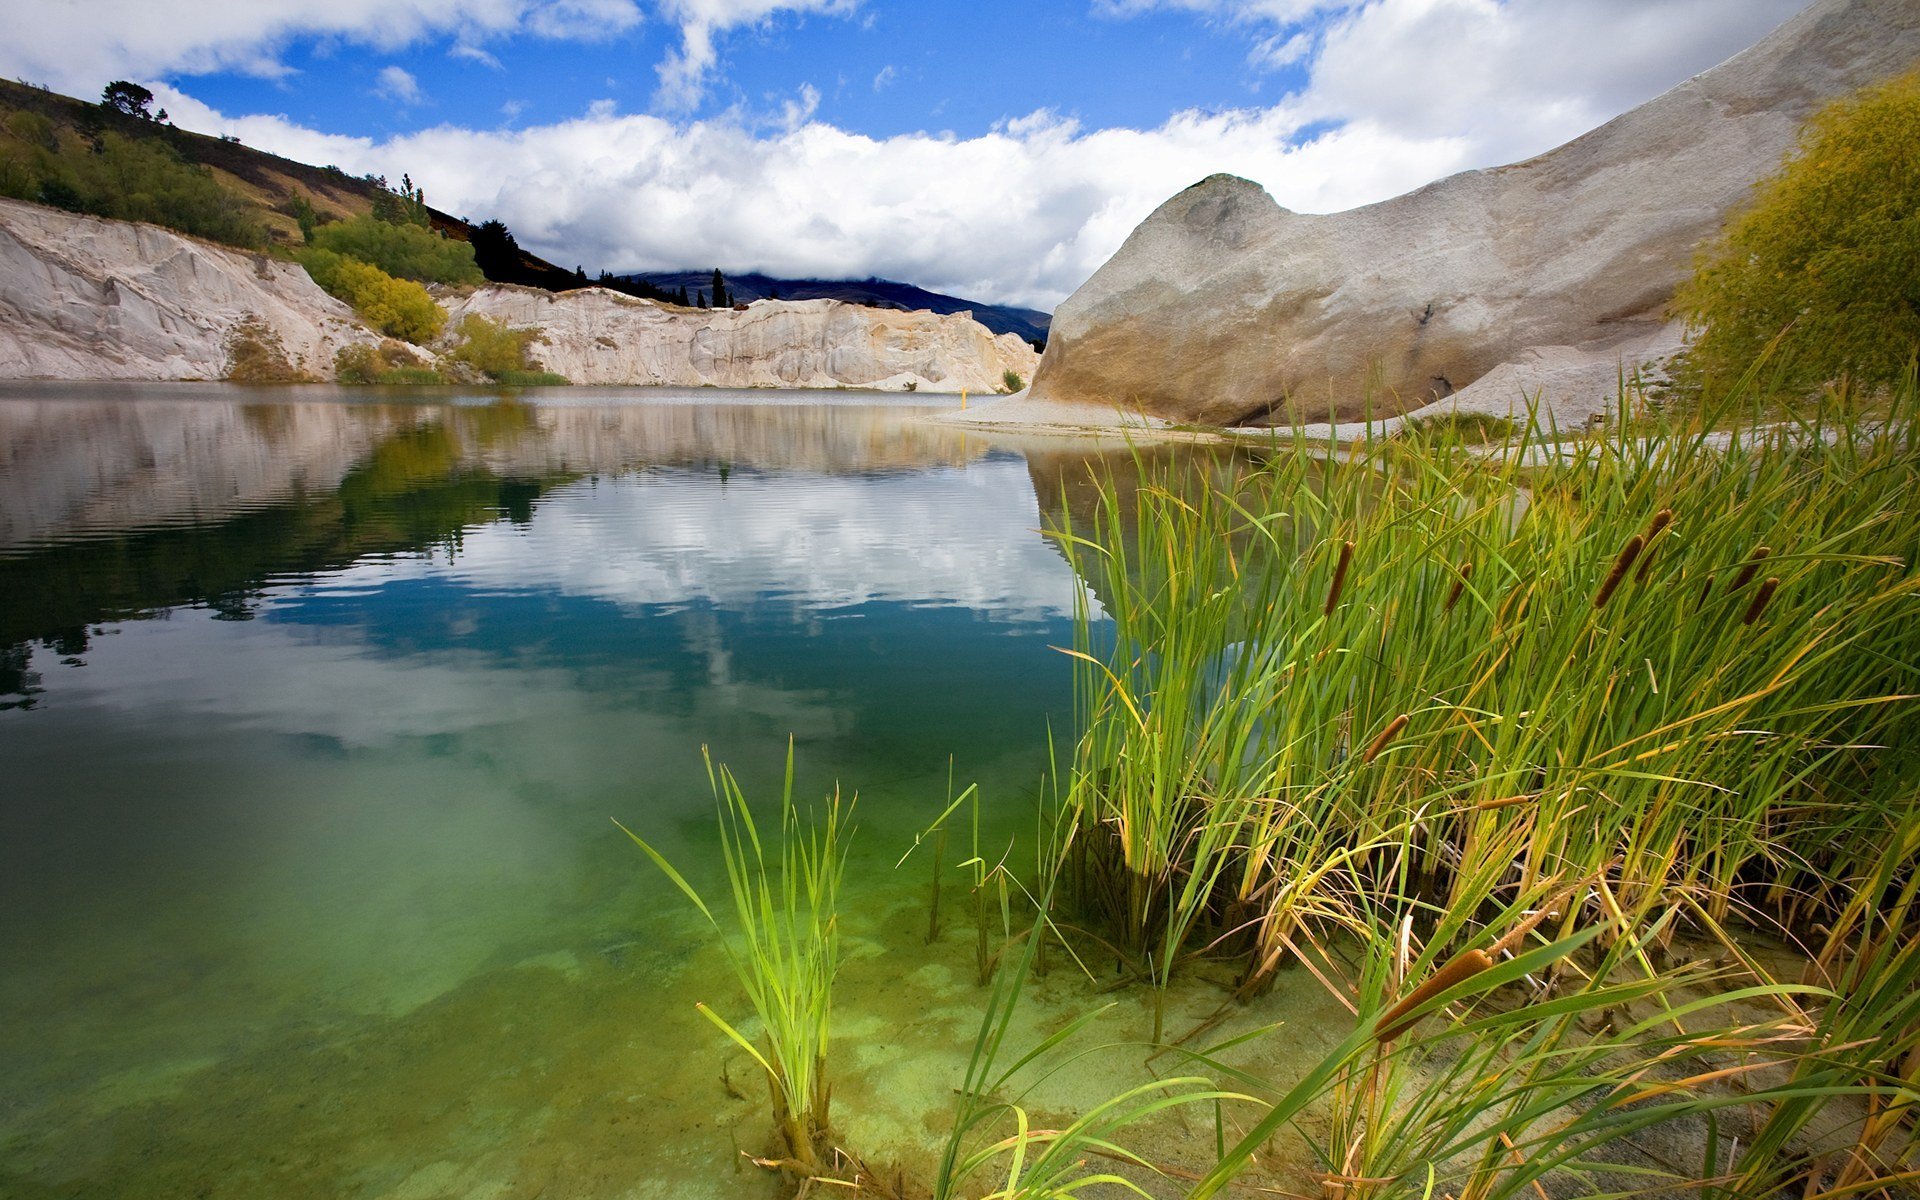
{"points": [[1399, 93], [398, 85], [885, 76], [95, 40], [475, 54], [683, 73]]}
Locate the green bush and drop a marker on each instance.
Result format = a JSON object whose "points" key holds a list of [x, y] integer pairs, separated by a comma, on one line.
{"points": [[403, 251], [491, 347], [1012, 381], [396, 307], [410, 377], [132, 179], [1828, 252], [531, 379]]}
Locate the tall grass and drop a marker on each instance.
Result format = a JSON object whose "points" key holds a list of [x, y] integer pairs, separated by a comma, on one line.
{"points": [[784, 949], [1361, 706]]}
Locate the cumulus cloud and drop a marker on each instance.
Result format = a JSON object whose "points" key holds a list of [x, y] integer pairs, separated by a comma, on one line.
{"points": [[398, 85], [73, 45], [685, 70]]}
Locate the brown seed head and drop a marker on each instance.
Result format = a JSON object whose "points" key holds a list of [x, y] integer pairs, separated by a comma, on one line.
{"points": [[1396, 1021], [1339, 577], [1760, 599], [1459, 585], [1621, 565], [1752, 568], [1386, 735]]}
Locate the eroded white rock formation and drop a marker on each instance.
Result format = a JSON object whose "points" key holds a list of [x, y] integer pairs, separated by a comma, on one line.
{"points": [[87, 298], [1222, 307], [596, 336]]}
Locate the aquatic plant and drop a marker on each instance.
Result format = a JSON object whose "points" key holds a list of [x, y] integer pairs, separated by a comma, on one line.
{"points": [[1369, 710], [784, 949]]}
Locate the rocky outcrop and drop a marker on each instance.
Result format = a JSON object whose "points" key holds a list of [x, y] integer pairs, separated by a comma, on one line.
{"points": [[596, 336], [88, 298], [1225, 308]]}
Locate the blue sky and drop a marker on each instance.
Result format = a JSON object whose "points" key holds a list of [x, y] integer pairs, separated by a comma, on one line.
{"points": [[996, 149]]}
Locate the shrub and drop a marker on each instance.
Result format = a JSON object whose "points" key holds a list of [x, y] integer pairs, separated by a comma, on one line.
{"points": [[397, 307], [491, 347], [531, 379], [405, 251], [1828, 251], [255, 355], [1012, 381]]}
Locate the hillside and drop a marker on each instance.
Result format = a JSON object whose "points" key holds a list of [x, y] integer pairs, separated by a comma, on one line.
{"points": [[1028, 324], [39, 128]]}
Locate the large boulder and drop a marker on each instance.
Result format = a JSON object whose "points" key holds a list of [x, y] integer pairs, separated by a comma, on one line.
{"points": [[1224, 308]]}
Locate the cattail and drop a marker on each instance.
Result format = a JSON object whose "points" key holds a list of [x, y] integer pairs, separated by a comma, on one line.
{"points": [[1459, 585], [1395, 1021], [1706, 592], [1655, 527], [1760, 599], [1386, 735], [1751, 569], [1621, 566], [1339, 576]]}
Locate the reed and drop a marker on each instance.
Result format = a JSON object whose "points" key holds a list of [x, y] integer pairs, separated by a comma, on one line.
{"points": [[1705, 774], [784, 949]]}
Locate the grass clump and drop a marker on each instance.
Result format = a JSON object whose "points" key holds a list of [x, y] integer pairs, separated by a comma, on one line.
{"points": [[501, 353], [256, 355], [1473, 428], [784, 948], [1011, 381]]}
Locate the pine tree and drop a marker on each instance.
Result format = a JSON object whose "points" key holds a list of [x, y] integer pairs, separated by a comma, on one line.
{"points": [[720, 298]]}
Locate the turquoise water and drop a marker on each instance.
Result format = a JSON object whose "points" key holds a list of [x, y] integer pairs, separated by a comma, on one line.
{"points": [[318, 711]]}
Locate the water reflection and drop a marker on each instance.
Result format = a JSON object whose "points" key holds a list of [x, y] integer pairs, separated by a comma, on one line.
{"points": [[320, 710]]}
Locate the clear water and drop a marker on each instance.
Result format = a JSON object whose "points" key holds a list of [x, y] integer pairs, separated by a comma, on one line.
{"points": [[315, 711]]}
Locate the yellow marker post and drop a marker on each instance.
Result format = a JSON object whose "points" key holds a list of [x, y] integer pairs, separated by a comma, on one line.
{"points": [[963, 399]]}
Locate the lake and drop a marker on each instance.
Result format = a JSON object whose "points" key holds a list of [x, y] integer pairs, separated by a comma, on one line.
{"points": [[317, 709]]}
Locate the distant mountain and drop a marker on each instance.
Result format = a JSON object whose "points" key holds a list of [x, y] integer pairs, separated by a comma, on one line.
{"points": [[1030, 324]]}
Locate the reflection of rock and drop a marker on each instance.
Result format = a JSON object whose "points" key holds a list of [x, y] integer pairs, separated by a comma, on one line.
{"points": [[596, 336], [72, 466], [88, 298], [1223, 306]]}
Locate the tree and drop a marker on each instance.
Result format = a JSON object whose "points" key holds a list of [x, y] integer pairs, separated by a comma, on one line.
{"points": [[1826, 257], [720, 298], [494, 249], [404, 250], [124, 96]]}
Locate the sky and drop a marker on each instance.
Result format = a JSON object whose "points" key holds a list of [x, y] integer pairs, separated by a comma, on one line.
{"points": [[995, 149]]}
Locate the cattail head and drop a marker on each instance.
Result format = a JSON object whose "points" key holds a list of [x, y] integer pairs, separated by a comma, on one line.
{"points": [[1398, 1019], [1655, 527], [1386, 735], [1459, 585], [1760, 599], [1339, 577], [1752, 568], [1621, 565]]}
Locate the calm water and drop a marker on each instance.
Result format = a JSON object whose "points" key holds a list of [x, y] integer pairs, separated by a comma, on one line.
{"points": [[314, 712]]}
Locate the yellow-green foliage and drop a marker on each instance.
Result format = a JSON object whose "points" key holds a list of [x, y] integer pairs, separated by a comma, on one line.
{"points": [[1829, 250], [404, 251], [133, 179], [397, 307], [491, 347]]}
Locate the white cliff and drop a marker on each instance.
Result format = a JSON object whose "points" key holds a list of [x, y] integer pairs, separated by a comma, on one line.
{"points": [[596, 336], [88, 298]]}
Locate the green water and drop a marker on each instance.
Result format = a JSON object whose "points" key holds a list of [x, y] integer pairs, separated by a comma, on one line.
{"points": [[315, 710]]}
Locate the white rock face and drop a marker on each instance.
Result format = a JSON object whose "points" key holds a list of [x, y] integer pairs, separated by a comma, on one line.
{"points": [[88, 298], [596, 336], [1224, 308]]}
